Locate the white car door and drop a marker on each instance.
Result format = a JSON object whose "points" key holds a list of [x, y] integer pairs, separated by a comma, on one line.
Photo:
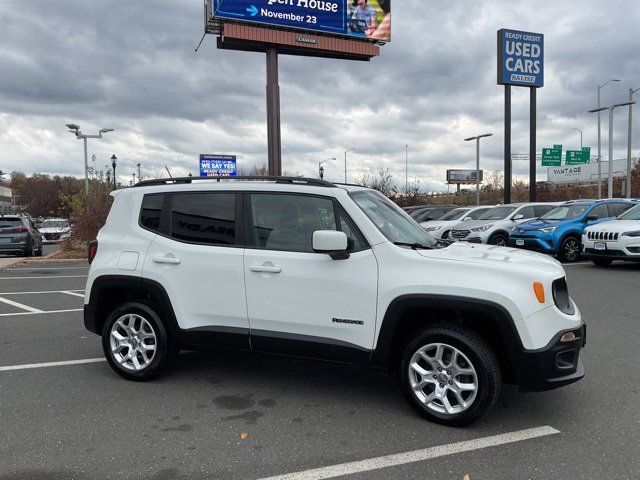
{"points": [[197, 257], [300, 302]]}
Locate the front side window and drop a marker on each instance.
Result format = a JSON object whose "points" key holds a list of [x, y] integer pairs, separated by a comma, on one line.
{"points": [[497, 213], [454, 214], [618, 208], [476, 213], [287, 222], [204, 218], [390, 220], [526, 212], [540, 210], [599, 211]]}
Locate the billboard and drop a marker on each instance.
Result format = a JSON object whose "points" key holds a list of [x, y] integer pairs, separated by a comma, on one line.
{"points": [[462, 176], [585, 173], [367, 19], [520, 58], [212, 165]]}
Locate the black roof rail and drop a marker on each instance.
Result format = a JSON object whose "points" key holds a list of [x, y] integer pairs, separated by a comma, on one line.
{"points": [[289, 180]]}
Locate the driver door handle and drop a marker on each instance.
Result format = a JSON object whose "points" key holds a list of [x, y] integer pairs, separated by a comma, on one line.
{"points": [[171, 260], [265, 268]]}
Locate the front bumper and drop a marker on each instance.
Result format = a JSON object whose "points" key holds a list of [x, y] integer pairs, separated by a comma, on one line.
{"points": [[553, 366], [626, 248], [543, 244]]}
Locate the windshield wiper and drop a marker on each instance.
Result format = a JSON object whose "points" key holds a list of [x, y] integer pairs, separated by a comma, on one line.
{"points": [[414, 246]]}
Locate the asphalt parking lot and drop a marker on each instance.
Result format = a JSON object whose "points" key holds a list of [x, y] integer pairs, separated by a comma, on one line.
{"points": [[223, 414]]}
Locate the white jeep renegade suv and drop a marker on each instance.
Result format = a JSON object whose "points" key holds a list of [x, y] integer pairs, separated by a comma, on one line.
{"points": [[311, 269]]}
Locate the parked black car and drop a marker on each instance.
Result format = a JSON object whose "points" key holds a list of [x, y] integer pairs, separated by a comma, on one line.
{"points": [[19, 236], [431, 213]]}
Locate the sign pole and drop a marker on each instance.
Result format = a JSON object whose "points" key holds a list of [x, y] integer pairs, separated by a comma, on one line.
{"points": [[273, 114], [507, 144], [532, 143]]}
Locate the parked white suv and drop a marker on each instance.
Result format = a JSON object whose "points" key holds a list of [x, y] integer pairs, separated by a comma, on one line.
{"points": [[441, 228], [494, 226], [316, 270], [617, 239]]}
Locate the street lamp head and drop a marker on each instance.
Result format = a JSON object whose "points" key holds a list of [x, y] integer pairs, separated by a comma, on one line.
{"points": [[469, 139], [623, 104], [106, 130], [485, 135], [595, 110], [114, 160], [73, 127]]}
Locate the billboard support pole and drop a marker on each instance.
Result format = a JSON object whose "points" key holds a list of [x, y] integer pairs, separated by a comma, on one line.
{"points": [[273, 114], [532, 143], [507, 144]]}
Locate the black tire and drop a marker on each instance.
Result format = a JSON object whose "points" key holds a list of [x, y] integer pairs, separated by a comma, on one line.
{"points": [[164, 346], [500, 240], [29, 251], [602, 262], [39, 251], [570, 250], [482, 359]]}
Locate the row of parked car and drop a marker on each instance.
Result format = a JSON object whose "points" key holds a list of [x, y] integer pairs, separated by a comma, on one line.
{"points": [[21, 235], [602, 230]]}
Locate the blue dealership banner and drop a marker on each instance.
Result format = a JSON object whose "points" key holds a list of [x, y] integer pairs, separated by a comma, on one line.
{"points": [[338, 17], [520, 58], [218, 165]]}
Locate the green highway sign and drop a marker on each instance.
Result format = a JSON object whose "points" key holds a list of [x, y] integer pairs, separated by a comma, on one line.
{"points": [[586, 154], [552, 157], [577, 157]]}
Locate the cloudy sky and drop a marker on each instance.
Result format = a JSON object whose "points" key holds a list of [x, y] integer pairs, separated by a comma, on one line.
{"points": [[131, 66]]}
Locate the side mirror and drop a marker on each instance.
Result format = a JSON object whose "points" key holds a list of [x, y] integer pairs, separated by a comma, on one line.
{"points": [[518, 217], [332, 243], [591, 218]]}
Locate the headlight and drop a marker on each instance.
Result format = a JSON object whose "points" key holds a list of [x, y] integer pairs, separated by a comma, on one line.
{"points": [[483, 228], [431, 229], [631, 234], [548, 229]]}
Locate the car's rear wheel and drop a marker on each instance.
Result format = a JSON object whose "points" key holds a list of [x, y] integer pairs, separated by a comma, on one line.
{"points": [[135, 342], [602, 262], [570, 250], [29, 251], [450, 375], [499, 240]]}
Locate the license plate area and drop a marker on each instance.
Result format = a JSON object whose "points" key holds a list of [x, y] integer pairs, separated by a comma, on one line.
{"points": [[520, 243], [600, 246]]}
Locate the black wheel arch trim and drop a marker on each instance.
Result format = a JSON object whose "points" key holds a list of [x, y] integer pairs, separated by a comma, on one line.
{"points": [[499, 315]]}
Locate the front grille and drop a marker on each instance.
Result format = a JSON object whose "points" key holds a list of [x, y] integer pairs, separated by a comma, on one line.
{"points": [[460, 233], [604, 236], [52, 236], [561, 296]]}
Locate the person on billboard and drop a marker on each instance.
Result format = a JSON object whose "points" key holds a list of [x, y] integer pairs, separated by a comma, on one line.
{"points": [[366, 13], [383, 32]]}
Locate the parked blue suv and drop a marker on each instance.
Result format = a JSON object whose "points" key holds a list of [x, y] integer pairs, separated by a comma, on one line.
{"points": [[559, 232]]}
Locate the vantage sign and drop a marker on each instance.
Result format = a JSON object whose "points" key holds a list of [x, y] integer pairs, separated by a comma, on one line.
{"points": [[520, 58]]}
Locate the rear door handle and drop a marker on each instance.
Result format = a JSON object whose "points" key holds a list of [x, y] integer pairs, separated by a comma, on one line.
{"points": [[265, 268], [171, 260]]}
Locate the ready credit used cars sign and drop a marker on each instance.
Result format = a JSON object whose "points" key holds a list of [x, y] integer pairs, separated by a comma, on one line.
{"points": [[520, 58], [338, 17], [218, 165]]}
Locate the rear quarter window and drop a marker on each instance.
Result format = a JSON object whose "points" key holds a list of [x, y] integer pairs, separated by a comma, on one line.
{"points": [[151, 212]]}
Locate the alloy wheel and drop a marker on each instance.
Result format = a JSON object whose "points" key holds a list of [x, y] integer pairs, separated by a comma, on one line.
{"points": [[133, 342], [571, 250], [443, 378]]}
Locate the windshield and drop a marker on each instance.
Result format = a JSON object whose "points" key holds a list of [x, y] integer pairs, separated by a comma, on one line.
{"points": [[564, 212], [54, 224], [454, 214], [10, 222], [633, 214], [497, 213], [392, 222]]}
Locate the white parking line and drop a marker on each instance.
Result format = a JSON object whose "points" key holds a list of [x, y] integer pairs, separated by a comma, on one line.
{"points": [[50, 364], [69, 292], [36, 293], [46, 268], [20, 305], [47, 277], [416, 455], [41, 312]]}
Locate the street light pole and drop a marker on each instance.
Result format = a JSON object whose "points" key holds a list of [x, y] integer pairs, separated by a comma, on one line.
{"points": [[114, 159], [139, 176], [631, 92], [580, 136], [406, 169], [75, 129], [345, 163], [477, 139], [600, 138], [611, 109], [320, 169]]}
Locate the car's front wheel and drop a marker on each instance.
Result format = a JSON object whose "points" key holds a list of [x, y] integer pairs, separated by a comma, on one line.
{"points": [[499, 240], [570, 249], [135, 342], [450, 375]]}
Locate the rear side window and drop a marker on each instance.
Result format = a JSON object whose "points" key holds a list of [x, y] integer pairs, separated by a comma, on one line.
{"points": [[618, 208], [540, 210], [527, 212], [151, 211], [204, 218], [599, 211]]}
